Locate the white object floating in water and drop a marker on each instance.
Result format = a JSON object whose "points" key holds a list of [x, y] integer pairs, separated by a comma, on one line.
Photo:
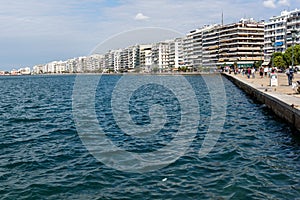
{"points": [[165, 179]]}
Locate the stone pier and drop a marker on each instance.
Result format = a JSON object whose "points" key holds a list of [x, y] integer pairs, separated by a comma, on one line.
{"points": [[281, 99]]}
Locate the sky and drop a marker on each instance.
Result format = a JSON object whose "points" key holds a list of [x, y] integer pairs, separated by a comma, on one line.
{"points": [[40, 31]]}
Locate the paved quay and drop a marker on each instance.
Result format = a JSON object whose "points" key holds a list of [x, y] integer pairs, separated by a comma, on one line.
{"points": [[283, 100]]}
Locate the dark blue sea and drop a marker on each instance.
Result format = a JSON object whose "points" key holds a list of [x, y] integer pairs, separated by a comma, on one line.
{"points": [[44, 152]]}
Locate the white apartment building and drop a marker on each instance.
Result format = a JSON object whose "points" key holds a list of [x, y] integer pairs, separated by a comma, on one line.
{"points": [[146, 57], [160, 56], [81, 65], [188, 55], [109, 61], [130, 57], [37, 69], [176, 53], [278, 33], [210, 46], [293, 28], [71, 65], [197, 48], [117, 60], [24, 71], [241, 42]]}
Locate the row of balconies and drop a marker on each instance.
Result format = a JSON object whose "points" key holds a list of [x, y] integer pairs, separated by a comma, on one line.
{"points": [[231, 35], [234, 49], [246, 53], [235, 40], [235, 58]]}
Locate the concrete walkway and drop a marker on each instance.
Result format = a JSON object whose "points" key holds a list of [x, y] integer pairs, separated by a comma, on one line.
{"points": [[283, 91], [282, 100]]}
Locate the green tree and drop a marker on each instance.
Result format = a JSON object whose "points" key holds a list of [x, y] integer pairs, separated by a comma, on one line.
{"points": [[279, 62], [235, 64], [289, 54], [155, 69], [257, 64]]}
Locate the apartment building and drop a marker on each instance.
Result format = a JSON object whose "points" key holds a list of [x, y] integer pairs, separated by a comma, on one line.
{"points": [[210, 46], [293, 28], [146, 57], [160, 56], [117, 60], [130, 57], [240, 42], [275, 35], [279, 31], [188, 49], [176, 53]]}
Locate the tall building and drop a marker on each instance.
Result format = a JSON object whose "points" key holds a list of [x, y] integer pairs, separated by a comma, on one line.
{"points": [[176, 53], [146, 57], [210, 46], [278, 33], [130, 57], [188, 50], [293, 25], [241, 42], [218, 45], [117, 60], [160, 56], [197, 47]]}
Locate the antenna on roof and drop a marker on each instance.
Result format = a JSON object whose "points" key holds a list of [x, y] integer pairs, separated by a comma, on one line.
{"points": [[222, 18]]}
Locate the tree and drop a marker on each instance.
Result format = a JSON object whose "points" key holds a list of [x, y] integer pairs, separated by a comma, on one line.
{"points": [[235, 64], [257, 64], [279, 62], [155, 69], [289, 54]]}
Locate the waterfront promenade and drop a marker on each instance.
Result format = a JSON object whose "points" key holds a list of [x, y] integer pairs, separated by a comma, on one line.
{"points": [[264, 83], [281, 99]]}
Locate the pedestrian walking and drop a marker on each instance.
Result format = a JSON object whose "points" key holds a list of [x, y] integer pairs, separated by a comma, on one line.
{"points": [[290, 74], [248, 72], [253, 72], [261, 72]]}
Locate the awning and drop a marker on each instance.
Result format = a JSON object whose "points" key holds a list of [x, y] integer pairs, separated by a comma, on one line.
{"points": [[265, 63]]}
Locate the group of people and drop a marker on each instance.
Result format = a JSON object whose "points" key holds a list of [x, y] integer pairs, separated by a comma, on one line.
{"points": [[263, 72], [251, 71]]}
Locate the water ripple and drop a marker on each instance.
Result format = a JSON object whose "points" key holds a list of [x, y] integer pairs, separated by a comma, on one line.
{"points": [[42, 157]]}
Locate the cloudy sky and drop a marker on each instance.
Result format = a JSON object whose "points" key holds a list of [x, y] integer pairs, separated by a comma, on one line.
{"points": [[40, 31]]}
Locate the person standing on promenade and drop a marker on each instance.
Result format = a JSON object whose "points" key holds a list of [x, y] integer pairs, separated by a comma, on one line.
{"points": [[261, 72], [290, 73], [266, 69], [253, 72], [248, 72]]}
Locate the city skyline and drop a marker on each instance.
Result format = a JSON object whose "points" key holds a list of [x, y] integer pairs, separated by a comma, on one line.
{"points": [[39, 32]]}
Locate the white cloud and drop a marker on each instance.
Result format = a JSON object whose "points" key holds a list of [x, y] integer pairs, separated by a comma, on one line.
{"points": [[141, 16], [269, 4], [81, 25], [284, 2], [276, 3]]}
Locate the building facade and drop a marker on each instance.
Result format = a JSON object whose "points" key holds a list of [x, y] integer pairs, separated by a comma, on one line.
{"points": [[160, 56], [241, 43], [278, 35], [176, 56]]}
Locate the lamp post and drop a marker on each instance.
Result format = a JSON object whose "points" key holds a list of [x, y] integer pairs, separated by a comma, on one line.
{"points": [[261, 54], [273, 45], [294, 32]]}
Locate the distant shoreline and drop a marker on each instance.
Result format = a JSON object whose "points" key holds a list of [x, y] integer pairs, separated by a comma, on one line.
{"points": [[119, 74], [136, 74]]}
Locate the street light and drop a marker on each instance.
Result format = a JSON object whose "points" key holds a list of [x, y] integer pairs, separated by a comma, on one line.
{"points": [[294, 32], [273, 45], [261, 54]]}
